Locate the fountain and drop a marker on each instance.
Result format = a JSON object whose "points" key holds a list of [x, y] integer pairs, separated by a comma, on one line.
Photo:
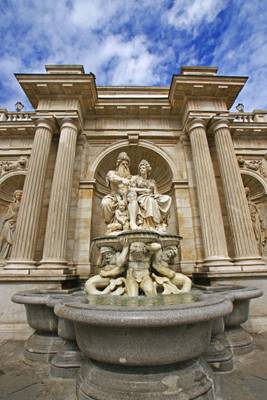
{"points": [[142, 331]]}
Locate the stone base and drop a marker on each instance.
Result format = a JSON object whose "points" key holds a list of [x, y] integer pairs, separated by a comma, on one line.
{"points": [[239, 341], [65, 364], [218, 356], [42, 347], [186, 380]]}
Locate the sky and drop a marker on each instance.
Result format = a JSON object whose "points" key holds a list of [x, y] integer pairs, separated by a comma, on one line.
{"points": [[134, 42]]}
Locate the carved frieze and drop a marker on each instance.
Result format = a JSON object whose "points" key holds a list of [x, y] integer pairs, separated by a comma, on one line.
{"points": [[260, 165], [7, 166]]}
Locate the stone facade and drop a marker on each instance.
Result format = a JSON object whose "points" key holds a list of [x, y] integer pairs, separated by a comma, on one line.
{"points": [[201, 154]]}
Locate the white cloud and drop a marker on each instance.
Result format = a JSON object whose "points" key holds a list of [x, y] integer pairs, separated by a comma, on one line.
{"points": [[189, 14], [243, 51], [134, 42]]}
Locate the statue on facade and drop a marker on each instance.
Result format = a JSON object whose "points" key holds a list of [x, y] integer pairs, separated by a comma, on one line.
{"points": [[9, 225], [134, 202], [257, 222]]}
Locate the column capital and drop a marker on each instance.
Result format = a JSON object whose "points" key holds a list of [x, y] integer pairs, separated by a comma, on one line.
{"points": [[70, 123], [218, 123], [45, 121], [195, 123], [70, 120]]}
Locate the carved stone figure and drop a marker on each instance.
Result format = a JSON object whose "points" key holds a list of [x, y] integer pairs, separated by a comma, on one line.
{"points": [[6, 166], [9, 225], [117, 180], [140, 268], [147, 208], [254, 165], [138, 271], [121, 218], [257, 222], [264, 166], [171, 282], [134, 202], [113, 265]]}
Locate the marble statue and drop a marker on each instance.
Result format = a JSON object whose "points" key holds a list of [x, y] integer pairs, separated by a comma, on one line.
{"points": [[134, 202], [113, 264], [257, 222], [117, 181], [148, 209], [140, 268], [121, 218], [171, 281], [9, 225], [137, 215]]}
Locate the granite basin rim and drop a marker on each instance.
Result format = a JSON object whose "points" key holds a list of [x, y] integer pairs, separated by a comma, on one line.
{"points": [[53, 300], [36, 296], [236, 291], [168, 316]]}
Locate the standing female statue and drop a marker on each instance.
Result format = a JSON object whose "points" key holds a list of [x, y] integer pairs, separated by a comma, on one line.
{"points": [[257, 222], [147, 208], [9, 225]]}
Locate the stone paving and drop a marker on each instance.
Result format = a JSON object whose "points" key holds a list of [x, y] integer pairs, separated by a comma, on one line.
{"points": [[19, 381]]}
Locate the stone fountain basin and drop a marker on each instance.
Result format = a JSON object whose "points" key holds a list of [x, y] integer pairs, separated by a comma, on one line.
{"points": [[40, 316], [144, 331], [241, 297]]}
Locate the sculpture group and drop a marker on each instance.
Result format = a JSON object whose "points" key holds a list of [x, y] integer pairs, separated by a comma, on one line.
{"points": [[134, 202], [136, 262]]}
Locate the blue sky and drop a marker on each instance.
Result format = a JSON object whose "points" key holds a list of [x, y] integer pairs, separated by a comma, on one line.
{"points": [[134, 42]]}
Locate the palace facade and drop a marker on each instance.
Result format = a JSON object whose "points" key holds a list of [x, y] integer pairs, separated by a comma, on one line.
{"points": [[54, 160]]}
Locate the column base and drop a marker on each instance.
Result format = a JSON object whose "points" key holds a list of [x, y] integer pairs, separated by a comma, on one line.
{"points": [[20, 264], [246, 263], [211, 263], [54, 264]]}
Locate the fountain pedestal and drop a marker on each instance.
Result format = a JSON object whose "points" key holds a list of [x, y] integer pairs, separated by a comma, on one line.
{"points": [[144, 348]]}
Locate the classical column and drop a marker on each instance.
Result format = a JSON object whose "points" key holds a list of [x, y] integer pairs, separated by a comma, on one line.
{"points": [[54, 253], [23, 250], [215, 247], [245, 245]]}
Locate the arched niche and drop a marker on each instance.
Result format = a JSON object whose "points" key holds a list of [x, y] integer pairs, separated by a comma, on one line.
{"points": [[161, 173], [8, 184], [256, 183], [258, 194]]}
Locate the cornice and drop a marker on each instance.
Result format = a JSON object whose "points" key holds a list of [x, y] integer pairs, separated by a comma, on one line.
{"points": [[215, 87]]}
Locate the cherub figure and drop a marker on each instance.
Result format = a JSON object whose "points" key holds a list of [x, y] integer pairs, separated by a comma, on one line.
{"points": [[121, 218]]}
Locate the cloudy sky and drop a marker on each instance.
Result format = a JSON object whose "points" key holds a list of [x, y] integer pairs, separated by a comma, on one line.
{"points": [[134, 42]]}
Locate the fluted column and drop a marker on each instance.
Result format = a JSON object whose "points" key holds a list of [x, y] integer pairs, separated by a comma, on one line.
{"points": [[245, 246], [23, 250], [54, 253], [214, 241]]}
